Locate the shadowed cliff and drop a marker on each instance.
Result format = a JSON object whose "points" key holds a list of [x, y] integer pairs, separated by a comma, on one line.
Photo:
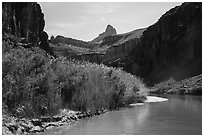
{"points": [[24, 20], [170, 48]]}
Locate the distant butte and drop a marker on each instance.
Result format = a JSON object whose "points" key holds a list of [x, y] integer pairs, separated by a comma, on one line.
{"points": [[110, 30]]}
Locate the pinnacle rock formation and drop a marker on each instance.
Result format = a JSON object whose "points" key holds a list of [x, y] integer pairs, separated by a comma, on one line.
{"points": [[110, 30]]}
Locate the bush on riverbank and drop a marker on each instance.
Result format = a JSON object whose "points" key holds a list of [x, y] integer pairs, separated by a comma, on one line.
{"points": [[191, 86], [35, 84]]}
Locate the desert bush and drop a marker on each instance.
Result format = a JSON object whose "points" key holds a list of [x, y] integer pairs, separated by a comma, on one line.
{"points": [[35, 84]]}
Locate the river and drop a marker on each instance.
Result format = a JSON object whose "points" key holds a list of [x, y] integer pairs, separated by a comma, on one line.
{"points": [[180, 115]]}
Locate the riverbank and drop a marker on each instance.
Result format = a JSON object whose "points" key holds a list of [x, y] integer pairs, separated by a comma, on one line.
{"points": [[12, 125], [192, 86], [180, 115], [151, 99], [21, 126]]}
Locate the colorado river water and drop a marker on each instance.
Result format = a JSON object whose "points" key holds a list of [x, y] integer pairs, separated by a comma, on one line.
{"points": [[179, 115]]}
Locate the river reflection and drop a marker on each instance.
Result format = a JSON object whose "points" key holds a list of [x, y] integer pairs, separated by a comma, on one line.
{"points": [[178, 115]]}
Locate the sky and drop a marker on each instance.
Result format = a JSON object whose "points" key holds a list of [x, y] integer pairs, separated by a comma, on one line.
{"points": [[86, 20]]}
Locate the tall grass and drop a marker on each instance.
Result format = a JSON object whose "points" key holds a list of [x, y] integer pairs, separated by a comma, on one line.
{"points": [[35, 84]]}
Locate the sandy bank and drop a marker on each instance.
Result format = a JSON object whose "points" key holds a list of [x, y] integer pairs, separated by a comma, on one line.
{"points": [[150, 99], [155, 99]]}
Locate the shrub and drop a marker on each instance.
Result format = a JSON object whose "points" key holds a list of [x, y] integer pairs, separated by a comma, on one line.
{"points": [[36, 84]]}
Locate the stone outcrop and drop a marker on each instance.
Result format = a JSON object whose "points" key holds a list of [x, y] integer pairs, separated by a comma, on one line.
{"points": [[110, 30], [23, 19], [170, 48]]}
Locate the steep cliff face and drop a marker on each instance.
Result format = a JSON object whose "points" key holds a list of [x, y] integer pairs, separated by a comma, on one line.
{"points": [[113, 49], [110, 30], [23, 19], [120, 46], [172, 47], [117, 52]]}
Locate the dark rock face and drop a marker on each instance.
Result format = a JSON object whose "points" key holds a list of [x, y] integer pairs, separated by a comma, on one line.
{"points": [[117, 52], [23, 19], [120, 47], [110, 30], [172, 47]]}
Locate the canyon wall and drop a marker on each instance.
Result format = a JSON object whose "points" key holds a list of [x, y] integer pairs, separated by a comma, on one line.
{"points": [[170, 48], [117, 52], [23, 19], [112, 49]]}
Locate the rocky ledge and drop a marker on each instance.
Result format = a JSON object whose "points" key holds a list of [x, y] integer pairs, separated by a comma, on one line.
{"points": [[12, 125]]}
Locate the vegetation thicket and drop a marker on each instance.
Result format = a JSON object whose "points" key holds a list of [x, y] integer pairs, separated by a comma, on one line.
{"points": [[35, 84]]}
